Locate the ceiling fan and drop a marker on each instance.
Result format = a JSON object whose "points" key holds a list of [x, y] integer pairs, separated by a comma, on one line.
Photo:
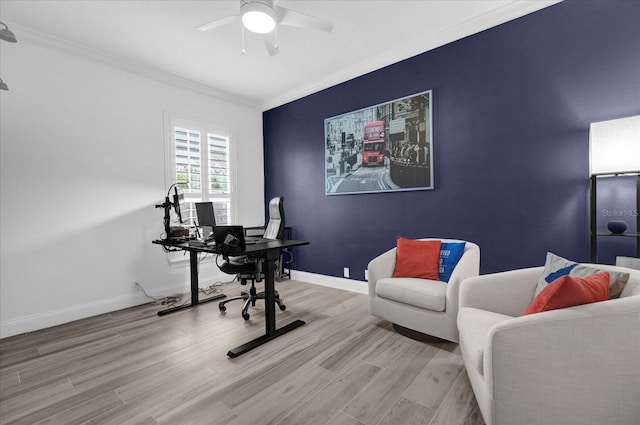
{"points": [[263, 17]]}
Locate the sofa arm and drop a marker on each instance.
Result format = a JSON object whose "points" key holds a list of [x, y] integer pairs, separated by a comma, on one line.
{"points": [[579, 365], [507, 292]]}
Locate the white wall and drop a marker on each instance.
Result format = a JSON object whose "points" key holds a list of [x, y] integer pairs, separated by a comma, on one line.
{"points": [[82, 166]]}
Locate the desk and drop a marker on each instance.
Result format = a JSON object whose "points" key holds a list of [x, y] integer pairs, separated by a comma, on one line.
{"points": [[268, 252]]}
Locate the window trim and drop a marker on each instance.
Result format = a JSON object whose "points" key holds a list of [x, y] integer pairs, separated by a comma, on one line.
{"points": [[172, 120]]}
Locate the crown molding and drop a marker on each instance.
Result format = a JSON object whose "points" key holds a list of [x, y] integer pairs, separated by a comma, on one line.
{"points": [[508, 12], [49, 41]]}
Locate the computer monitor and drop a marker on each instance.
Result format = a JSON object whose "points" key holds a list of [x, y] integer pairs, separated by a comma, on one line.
{"points": [[205, 214], [206, 219], [173, 232], [177, 198]]}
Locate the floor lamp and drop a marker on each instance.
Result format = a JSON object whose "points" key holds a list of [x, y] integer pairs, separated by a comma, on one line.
{"points": [[614, 150]]}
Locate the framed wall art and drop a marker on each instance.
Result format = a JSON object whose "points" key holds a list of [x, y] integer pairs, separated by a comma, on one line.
{"points": [[383, 148]]}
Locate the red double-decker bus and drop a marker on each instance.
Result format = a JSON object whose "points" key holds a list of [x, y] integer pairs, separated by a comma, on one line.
{"points": [[373, 144]]}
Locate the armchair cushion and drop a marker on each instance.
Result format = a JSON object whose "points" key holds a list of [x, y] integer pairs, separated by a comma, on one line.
{"points": [[416, 258], [568, 291], [422, 293]]}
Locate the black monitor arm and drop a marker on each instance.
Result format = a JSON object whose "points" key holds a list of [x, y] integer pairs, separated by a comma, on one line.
{"points": [[167, 205]]}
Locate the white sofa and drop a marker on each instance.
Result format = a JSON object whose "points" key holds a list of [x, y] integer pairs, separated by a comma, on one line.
{"points": [[426, 306], [573, 366]]}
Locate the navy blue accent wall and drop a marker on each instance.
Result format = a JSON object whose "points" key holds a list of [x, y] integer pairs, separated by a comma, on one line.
{"points": [[511, 108]]}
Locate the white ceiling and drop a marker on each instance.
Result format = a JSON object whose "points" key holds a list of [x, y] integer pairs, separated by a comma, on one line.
{"points": [[159, 38]]}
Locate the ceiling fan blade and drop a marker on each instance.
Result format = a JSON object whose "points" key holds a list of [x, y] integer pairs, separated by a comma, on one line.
{"points": [[270, 42], [218, 23], [292, 18]]}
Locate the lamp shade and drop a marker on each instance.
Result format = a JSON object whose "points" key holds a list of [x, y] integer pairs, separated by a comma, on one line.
{"points": [[614, 146]]}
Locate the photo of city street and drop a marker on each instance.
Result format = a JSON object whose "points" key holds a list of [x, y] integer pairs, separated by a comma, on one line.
{"points": [[382, 148]]}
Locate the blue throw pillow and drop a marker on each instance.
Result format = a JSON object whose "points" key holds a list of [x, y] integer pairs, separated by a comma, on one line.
{"points": [[450, 254]]}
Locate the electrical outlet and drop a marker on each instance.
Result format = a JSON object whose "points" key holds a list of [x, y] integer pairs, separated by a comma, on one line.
{"points": [[346, 272]]}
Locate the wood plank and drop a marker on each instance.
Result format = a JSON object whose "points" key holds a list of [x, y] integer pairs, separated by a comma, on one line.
{"points": [[198, 413], [354, 349], [8, 380], [387, 349], [459, 405], [407, 412], [16, 409], [386, 389], [265, 377], [91, 410], [329, 401], [434, 382], [343, 419], [344, 367], [277, 401]]}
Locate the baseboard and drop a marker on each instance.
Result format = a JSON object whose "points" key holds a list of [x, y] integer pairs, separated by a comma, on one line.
{"points": [[65, 315], [331, 281]]}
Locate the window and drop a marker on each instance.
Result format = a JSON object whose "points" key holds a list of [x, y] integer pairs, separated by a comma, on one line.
{"points": [[199, 161]]}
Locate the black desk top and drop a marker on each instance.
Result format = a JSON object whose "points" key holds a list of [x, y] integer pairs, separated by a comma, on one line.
{"points": [[253, 248]]}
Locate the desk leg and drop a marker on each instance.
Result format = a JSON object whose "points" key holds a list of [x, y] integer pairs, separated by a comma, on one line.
{"points": [[269, 310], [269, 297], [195, 299]]}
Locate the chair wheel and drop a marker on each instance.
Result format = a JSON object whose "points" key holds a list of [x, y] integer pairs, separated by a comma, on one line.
{"points": [[246, 316], [283, 307], [222, 307]]}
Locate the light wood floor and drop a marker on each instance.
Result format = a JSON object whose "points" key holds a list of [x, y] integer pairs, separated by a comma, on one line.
{"points": [[344, 367]]}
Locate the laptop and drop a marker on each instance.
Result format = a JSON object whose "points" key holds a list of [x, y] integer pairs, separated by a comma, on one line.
{"points": [[229, 239]]}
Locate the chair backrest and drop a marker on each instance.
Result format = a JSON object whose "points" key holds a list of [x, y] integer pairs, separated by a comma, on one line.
{"points": [[275, 227]]}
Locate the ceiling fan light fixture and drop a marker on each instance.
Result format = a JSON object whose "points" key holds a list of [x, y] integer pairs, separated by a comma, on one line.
{"points": [[258, 17]]}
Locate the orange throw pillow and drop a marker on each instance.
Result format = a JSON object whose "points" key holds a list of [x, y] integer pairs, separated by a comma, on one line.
{"points": [[417, 259], [568, 291]]}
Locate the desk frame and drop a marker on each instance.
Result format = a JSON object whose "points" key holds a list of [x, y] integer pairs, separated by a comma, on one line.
{"points": [[268, 252], [195, 286]]}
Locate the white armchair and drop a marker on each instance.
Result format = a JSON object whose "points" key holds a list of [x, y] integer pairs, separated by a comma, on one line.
{"points": [[426, 306], [573, 366]]}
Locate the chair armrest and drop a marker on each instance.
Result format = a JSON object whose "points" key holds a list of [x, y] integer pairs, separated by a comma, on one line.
{"points": [[379, 268], [536, 365], [507, 292]]}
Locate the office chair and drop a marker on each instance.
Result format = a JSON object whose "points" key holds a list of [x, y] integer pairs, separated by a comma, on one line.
{"points": [[247, 268]]}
